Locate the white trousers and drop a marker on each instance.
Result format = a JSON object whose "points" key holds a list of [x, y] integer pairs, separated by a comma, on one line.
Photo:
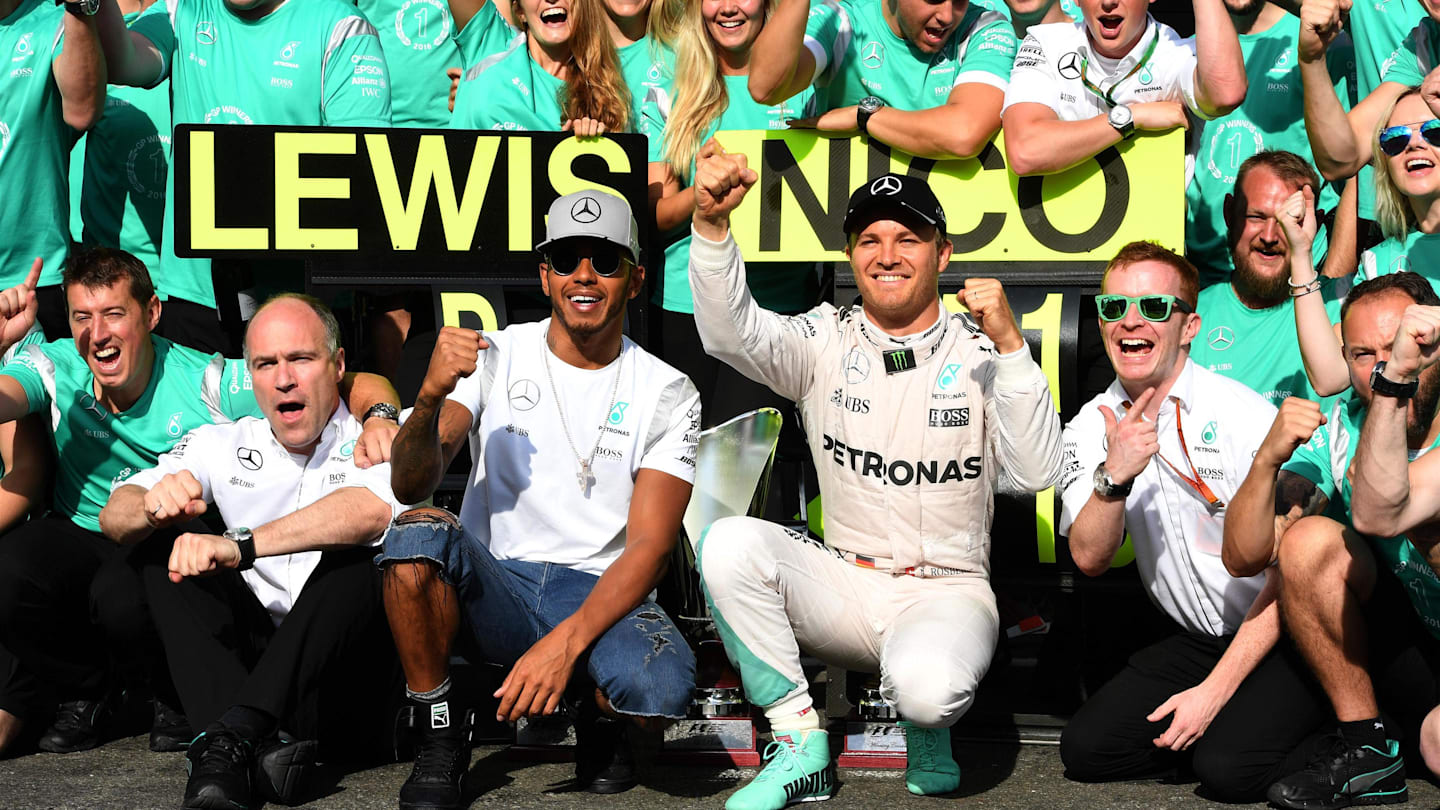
{"points": [[773, 592]]}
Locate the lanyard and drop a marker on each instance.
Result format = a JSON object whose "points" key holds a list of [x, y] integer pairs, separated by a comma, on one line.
{"points": [[1109, 96], [1197, 483]]}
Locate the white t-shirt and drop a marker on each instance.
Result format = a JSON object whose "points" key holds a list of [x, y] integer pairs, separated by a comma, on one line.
{"points": [[523, 500], [1177, 534], [253, 480], [1053, 58]]}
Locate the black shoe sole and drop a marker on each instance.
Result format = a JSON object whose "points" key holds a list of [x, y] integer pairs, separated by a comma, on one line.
{"points": [[163, 742], [52, 747], [1364, 800], [606, 787]]}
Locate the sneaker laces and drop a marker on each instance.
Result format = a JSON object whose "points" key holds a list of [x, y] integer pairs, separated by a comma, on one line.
{"points": [[1331, 758], [437, 756], [224, 752], [70, 715], [782, 756], [921, 744]]}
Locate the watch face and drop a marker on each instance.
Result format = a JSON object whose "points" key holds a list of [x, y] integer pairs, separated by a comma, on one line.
{"points": [[870, 104], [1120, 116]]}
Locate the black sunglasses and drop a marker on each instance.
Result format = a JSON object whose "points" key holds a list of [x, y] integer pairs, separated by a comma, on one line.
{"points": [[1394, 140], [605, 261]]}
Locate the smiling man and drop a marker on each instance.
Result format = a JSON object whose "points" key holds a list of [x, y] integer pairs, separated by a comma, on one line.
{"points": [[1080, 88], [257, 623], [1159, 455], [924, 76], [582, 447], [1249, 321], [115, 397], [913, 416]]}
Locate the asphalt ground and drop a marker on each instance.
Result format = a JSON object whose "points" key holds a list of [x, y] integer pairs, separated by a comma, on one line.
{"points": [[125, 774]]}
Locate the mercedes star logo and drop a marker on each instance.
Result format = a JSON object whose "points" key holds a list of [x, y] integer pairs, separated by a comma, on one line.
{"points": [[888, 185], [205, 32], [856, 366], [524, 395], [249, 459], [1070, 65], [1221, 338], [585, 209], [873, 56]]}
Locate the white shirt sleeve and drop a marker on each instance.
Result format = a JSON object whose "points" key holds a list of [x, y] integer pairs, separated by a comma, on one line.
{"points": [[376, 479], [675, 431], [1034, 78], [1084, 450], [190, 453]]}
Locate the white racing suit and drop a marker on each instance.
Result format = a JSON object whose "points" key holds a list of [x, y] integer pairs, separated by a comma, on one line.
{"points": [[909, 449]]}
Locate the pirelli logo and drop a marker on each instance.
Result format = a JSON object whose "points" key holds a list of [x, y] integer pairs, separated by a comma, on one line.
{"points": [[949, 417]]}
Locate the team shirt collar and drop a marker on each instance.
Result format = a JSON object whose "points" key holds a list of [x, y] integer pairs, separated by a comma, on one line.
{"points": [[1182, 392]]}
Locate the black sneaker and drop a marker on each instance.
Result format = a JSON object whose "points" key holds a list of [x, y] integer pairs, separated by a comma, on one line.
{"points": [[1343, 775], [442, 755], [282, 769], [78, 726], [219, 763], [169, 729], [604, 762]]}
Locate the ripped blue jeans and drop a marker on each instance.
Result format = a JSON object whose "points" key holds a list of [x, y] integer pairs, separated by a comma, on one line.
{"points": [[642, 663]]}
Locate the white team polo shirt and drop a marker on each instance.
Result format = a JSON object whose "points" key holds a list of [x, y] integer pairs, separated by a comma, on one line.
{"points": [[1055, 61], [253, 480], [523, 500], [1177, 535]]}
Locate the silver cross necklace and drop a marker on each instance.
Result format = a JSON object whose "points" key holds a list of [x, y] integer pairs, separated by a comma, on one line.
{"points": [[585, 475]]}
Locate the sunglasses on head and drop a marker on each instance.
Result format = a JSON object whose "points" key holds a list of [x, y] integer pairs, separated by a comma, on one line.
{"points": [[1151, 307], [1394, 140], [606, 261]]}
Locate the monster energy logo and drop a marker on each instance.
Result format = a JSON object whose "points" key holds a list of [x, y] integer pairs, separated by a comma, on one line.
{"points": [[899, 360]]}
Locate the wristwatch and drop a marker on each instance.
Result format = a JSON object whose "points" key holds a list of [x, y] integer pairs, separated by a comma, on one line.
{"points": [[245, 539], [384, 410], [1106, 486], [1123, 120], [80, 8], [867, 107], [1386, 387]]}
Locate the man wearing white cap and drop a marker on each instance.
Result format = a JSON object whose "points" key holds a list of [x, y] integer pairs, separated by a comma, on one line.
{"points": [[583, 454]]}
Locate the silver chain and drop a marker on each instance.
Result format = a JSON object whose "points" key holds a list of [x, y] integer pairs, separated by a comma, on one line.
{"points": [[584, 476]]}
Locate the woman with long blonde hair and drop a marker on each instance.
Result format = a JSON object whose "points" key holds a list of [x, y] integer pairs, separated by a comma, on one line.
{"points": [[562, 74], [713, 49]]}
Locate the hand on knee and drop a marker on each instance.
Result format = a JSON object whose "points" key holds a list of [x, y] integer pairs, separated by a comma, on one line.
{"points": [[1430, 741]]}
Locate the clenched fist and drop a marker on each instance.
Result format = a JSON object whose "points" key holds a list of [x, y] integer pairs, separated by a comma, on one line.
{"points": [[985, 298], [456, 353], [1417, 343], [18, 306], [1296, 422], [1131, 441], [195, 555], [175, 498], [721, 181], [1159, 116], [1320, 23]]}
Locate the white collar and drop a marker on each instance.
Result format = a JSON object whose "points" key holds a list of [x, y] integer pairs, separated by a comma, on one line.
{"points": [[1131, 58]]}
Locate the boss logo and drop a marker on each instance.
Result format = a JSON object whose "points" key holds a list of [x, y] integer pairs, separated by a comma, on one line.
{"points": [[949, 417]]}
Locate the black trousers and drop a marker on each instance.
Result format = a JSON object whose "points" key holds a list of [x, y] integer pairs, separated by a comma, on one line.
{"points": [[328, 672], [1264, 732], [71, 611]]}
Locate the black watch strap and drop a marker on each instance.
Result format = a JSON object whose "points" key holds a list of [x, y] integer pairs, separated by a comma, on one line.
{"points": [[244, 539], [1385, 387]]}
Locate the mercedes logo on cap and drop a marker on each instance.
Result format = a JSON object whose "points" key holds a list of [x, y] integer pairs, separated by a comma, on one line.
{"points": [[888, 185], [249, 459], [524, 395], [1221, 338], [1070, 65], [585, 209]]}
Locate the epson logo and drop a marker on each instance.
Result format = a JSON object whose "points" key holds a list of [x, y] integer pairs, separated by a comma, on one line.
{"points": [[873, 465]]}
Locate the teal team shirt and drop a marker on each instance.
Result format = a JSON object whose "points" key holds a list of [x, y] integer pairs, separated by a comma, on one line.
{"points": [[1258, 347], [1417, 253], [35, 145], [647, 66], [419, 43], [307, 63], [857, 55], [1272, 117], [510, 93], [782, 287], [485, 35], [118, 171], [1325, 460], [1378, 28], [96, 449]]}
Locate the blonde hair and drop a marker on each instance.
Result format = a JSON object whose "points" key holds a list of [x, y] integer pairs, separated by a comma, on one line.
{"points": [[1392, 208], [594, 86], [700, 95]]}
